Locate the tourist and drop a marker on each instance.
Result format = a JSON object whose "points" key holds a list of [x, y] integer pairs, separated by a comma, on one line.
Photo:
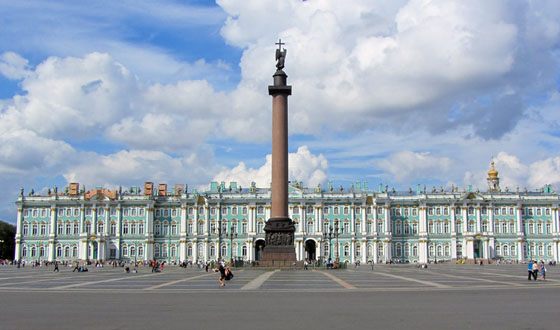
{"points": [[222, 270], [535, 270], [56, 267], [305, 263], [530, 270], [77, 267], [543, 271]]}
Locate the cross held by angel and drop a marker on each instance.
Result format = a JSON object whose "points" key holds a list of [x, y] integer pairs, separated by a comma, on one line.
{"points": [[280, 55]]}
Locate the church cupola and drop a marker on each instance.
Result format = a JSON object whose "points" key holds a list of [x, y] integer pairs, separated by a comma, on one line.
{"points": [[493, 179]]}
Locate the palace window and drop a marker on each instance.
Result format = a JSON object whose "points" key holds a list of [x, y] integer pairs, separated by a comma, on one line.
{"points": [[310, 210], [60, 212], [547, 211], [439, 251], [447, 253], [141, 228], [260, 227], [430, 227], [189, 251], [68, 228], [346, 227], [59, 251], [398, 250], [415, 251], [33, 251], [335, 210], [346, 250], [140, 251], [173, 229], [100, 227], [484, 210], [504, 228], [173, 251], [165, 227], [234, 210], [113, 228], [539, 228], [88, 227], [44, 229], [471, 210], [42, 251], [68, 212], [164, 250], [200, 228], [539, 211], [431, 251], [446, 227], [438, 211], [346, 210], [190, 228], [244, 227], [511, 211], [133, 228], [260, 210], [430, 211], [511, 227], [406, 228], [379, 226], [414, 228], [470, 226], [60, 229], [484, 226], [34, 229], [548, 228], [244, 210], [414, 212]]}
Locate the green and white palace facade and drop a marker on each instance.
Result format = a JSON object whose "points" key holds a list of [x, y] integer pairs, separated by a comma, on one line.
{"points": [[226, 221]]}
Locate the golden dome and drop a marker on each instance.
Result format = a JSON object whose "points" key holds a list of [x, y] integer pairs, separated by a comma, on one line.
{"points": [[492, 173]]}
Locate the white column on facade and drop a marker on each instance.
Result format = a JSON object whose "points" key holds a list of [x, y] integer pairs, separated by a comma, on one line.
{"points": [[318, 250], [387, 245], [194, 245], [205, 251], [490, 213], [52, 235], [364, 220], [423, 251], [374, 215], [149, 232], [478, 219], [520, 250], [352, 251], [465, 218], [302, 219], [519, 220], [453, 233], [207, 219], [352, 222], [491, 247], [319, 219], [363, 252], [422, 218], [183, 234], [375, 252], [118, 232], [267, 213], [19, 225], [107, 220], [470, 248], [387, 220], [554, 218], [250, 220]]}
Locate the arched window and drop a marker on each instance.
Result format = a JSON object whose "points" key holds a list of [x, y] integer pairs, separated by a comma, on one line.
{"points": [[66, 252], [224, 251], [189, 250], [164, 248], [24, 251], [512, 250], [59, 251], [439, 251], [34, 229], [260, 227], [140, 251], [212, 250], [414, 228], [446, 227], [42, 251], [504, 227], [132, 250], [88, 227], [398, 226], [431, 250], [430, 227], [125, 250], [165, 229], [309, 228], [498, 250], [505, 250], [157, 228], [43, 229], [415, 251], [346, 250], [100, 227], [447, 252], [244, 251], [173, 251], [76, 228], [126, 227], [398, 250], [74, 251], [484, 226], [33, 251], [113, 228], [173, 228]]}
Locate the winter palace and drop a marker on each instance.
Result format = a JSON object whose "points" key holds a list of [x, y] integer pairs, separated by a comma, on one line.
{"points": [[227, 221]]}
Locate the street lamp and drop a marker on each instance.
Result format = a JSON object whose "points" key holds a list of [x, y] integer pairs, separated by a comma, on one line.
{"points": [[231, 236], [333, 233], [1, 245]]}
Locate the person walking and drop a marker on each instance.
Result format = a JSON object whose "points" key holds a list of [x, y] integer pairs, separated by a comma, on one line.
{"points": [[56, 267], [535, 270], [543, 271], [530, 270], [222, 270]]}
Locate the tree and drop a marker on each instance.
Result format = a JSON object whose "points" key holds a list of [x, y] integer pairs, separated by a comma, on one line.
{"points": [[7, 235]]}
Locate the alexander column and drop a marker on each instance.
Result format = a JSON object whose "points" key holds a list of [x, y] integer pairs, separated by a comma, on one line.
{"points": [[279, 249]]}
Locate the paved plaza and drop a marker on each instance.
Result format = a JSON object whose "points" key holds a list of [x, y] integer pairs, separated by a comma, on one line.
{"points": [[390, 296]]}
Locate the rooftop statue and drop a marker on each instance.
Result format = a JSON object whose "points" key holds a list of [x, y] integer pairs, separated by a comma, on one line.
{"points": [[280, 55]]}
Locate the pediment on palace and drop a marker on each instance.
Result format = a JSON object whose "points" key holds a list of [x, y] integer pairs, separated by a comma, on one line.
{"points": [[101, 194]]}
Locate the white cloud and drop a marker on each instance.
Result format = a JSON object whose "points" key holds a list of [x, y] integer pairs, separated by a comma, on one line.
{"points": [[137, 166], [303, 166], [407, 165], [13, 66], [543, 172]]}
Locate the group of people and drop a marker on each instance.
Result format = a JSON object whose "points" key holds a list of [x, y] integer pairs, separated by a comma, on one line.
{"points": [[534, 269]]}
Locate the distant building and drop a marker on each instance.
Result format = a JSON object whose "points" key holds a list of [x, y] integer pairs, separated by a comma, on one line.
{"points": [[228, 221]]}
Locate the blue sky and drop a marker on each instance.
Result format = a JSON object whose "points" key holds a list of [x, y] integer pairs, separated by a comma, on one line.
{"points": [[394, 92]]}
